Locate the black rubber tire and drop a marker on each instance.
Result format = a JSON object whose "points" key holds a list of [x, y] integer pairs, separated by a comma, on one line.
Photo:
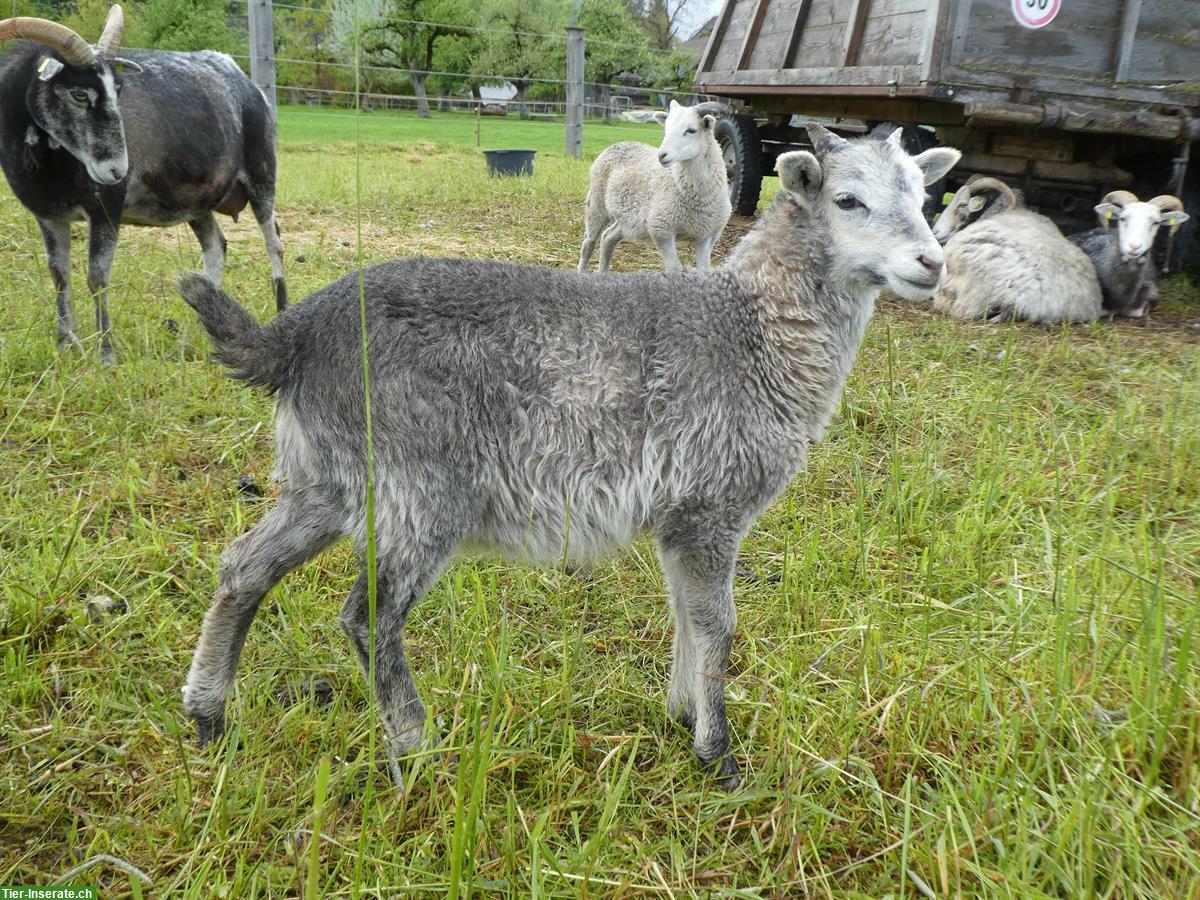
{"points": [[738, 137], [1186, 256]]}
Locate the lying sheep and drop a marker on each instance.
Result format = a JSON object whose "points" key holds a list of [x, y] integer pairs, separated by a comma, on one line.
{"points": [[979, 198], [1123, 261], [636, 193], [1006, 262], [546, 414]]}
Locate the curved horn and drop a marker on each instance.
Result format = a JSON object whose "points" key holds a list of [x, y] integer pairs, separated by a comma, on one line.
{"points": [[114, 29], [74, 49], [711, 106], [1120, 199], [1167, 203], [993, 184]]}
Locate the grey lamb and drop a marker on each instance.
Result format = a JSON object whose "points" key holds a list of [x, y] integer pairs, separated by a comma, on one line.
{"points": [[637, 193], [545, 414]]}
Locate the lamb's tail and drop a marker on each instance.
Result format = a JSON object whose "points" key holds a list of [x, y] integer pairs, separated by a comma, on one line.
{"points": [[254, 354]]}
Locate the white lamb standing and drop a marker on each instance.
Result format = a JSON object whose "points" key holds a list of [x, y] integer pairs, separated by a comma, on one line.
{"points": [[637, 193]]}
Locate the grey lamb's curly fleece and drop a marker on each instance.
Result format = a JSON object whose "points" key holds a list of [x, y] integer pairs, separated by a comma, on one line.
{"points": [[546, 414]]}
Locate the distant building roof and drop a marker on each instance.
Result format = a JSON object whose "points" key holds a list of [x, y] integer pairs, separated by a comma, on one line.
{"points": [[699, 39]]}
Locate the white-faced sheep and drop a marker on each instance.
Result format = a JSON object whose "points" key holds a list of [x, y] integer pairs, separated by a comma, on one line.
{"points": [[1123, 258], [637, 193], [549, 414], [1006, 262]]}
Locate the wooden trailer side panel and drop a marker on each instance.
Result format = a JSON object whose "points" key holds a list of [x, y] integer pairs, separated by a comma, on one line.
{"points": [[1106, 51], [766, 35], [1166, 48]]}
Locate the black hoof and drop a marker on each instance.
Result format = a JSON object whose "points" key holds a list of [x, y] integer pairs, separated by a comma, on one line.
{"points": [[726, 772], [209, 729]]}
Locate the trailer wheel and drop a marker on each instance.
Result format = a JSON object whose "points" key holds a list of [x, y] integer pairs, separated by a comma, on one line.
{"points": [[737, 136], [1186, 257]]}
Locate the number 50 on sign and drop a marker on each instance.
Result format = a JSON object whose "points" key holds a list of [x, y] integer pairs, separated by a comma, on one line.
{"points": [[1035, 13]]}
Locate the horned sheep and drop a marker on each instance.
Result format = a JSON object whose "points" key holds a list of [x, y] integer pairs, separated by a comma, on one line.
{"points": [[1006, 262], [149, 138], [636, 193], [1123, 258]]}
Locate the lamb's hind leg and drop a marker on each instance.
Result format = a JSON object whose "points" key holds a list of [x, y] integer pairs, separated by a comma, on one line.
{"points": [[300, 526], [699, 574], [594, 220], [408, 566], [608, 243]]}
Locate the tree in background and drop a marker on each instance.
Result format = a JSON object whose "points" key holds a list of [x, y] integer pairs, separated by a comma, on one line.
{"points": [[407, 35], [520, 40], [176, 25], [660, 19], [308, 37], [614, 44]]}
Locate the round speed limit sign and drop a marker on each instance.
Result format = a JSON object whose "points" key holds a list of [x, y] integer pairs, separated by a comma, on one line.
{"points": [[1035, 13]]}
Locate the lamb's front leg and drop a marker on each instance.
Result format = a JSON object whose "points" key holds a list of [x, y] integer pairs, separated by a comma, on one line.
{"points": [[665, 242], [704, 248], [700, 581]]}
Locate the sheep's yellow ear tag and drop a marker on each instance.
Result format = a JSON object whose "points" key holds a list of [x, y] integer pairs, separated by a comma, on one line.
{"points": [[975, 204], [48, 68], [947, 198]]}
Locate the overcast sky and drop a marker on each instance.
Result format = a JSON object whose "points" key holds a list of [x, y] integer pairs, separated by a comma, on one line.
{"points": [[694, 14]]}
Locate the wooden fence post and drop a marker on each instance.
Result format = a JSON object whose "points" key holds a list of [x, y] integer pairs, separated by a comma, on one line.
{"points": [[575, 91], [262, 47]]}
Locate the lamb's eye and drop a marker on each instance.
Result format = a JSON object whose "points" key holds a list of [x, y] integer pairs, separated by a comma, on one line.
{"points": [[79, 96], [847, 201], [689, 131]]}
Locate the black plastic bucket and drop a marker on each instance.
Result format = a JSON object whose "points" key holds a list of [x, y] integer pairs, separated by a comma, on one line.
{"points": [[510, 162]]}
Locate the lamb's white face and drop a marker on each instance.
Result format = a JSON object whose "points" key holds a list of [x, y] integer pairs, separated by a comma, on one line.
{"points": [[871, 194], [686, 133]]}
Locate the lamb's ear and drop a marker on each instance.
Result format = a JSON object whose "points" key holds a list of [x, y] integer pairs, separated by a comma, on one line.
{"points": [[936, 162], [895, 137], [1174, 218], [800, 175], [661, 117], [709, 121], [674, 104], [1106, 212]]}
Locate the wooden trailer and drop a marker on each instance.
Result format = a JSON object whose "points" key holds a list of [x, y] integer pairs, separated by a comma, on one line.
{"points": [[1066, 99]]}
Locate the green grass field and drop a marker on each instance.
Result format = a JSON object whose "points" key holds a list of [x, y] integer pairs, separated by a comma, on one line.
{"points": [[316, 125], [966, 664]]}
